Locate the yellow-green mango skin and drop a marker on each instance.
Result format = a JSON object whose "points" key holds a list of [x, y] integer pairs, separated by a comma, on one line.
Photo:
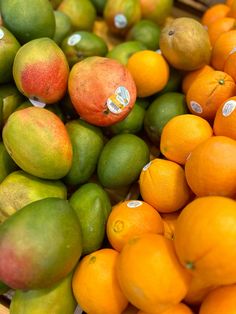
{"points": [[7, 165], [28, 19], [41, 70], [39, 245], [57, 299], [38, 142], [19, 189]]}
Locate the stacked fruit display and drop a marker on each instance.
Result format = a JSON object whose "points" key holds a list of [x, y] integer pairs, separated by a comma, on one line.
{"points": [[118, 158]]}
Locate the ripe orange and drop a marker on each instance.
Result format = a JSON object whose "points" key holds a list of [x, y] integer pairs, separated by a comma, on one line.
{"points": [[163, 185], [219, 27], [229, 2], [221, 300], [230, 65], [150, 72], [225, 119], [190, 77], [215, 12], [150, 274], [205, 237], [169, 220], [211, 167], [131, 218], [181, 135], [180, 308], [95, 285], [223, 47], [208, 92]]}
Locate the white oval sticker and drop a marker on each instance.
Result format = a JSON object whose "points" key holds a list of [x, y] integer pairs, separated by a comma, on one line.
{"points": [[120, 21], [133, 204], [74, 39], [228, 108], [196, 107], [1, 33], [37, 103], [158, 51], [147, 166]]}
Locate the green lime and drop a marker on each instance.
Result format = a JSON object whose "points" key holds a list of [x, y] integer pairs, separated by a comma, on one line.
{"points": [[174, 82], [143, 102], [161, 110], [146, 32]]}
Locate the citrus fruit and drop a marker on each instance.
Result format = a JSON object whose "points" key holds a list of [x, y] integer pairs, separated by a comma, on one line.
{"points": [[126, 220], [95, 285], [229, 66], [169, 220], [214, 13], [181, 135], [180, 308], [219, 27]]}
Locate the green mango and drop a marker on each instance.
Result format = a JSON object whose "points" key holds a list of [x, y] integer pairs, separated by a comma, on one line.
{"points": [[19, 189], [7, 165], [63, 26], [92, 206], [39, 245], [57, 299], [87, 142]]}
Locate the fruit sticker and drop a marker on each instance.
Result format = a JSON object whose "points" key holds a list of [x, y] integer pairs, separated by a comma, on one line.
{"points": [[119, 100], [1, 34], [233, 51], [74, 39], [78, 310], [37, 103], [228, 108], [147, 166], [134, 204], [196, 107], [120, 21]]}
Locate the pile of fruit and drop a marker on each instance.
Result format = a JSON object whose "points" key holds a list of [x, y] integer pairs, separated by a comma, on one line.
{"points": [[117, 158]]}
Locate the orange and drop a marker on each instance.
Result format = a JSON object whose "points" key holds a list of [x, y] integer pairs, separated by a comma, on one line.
{"points": [[225, 119], [230, 65], [169, 220], [232, 11], [181, 135], [223, 47], [150, 72], [219, 27], [190, 77], [215, 12], [150, 274], [220, 300], [163, 185], [211, 167], [229, 2], [205, 237], [95, 285], [180, 308], [208, 92], [131, 218], [130, 309]]}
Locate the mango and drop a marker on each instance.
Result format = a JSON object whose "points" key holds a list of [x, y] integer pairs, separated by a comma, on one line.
{"points": [[63, 26], [39, 245], [92, 206], [38, 142], [57, 299], [7, 164], [19, 189]]}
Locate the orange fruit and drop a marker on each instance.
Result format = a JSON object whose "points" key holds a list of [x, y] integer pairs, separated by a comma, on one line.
{"points": [[225, 119], [190, 77], [169, 220], [144, 66], [223, 47], [232, 11], [208, 92], [219, 27], [230, 65], [163, 185], [95, 285], [181, 135], [214, 13], [229, 2], [211, 167], [220, 300], [130, 309], [150, 274], [132, 218], [180, 308], [205, 237]]}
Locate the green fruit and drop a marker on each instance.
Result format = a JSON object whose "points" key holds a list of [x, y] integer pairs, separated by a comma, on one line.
{"points": [[156, 10], [10, 99], [122, 52], [161, 110], [146, 32], [38, 142], [7, 165], [133, 123], [81, 45], [143, 102], [174, 82], [57, 299], [19, 189], [81, 13], [3, 288], [99, 5], [28, 19], [87, 142], [39, 245], [92, 206], [63, 26], [121, 160], [9, 47]]}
